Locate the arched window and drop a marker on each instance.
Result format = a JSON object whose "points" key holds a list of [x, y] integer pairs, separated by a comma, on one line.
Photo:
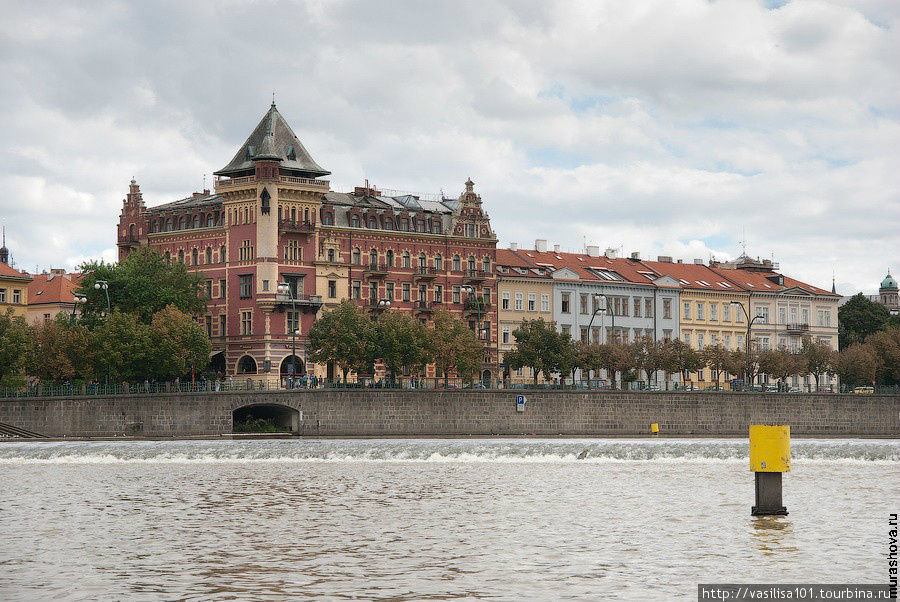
{"points": [[182, 223], [209, 254], [221, 220], [195, 257], [486, 264], [222, 256], [306, 215], [456, 267], [406, 263], [388, 223], [373, 223], [404, 225], [328, 219], [293, 214], [354, 221], [196, 221], [181, 256], [437, 227], [330, 254], [389, 258], [246, 365], [210, 221], [423, 261], [168, 225], [438, 262], [131, 232], [373, 257], [471, 263], [168, 257], [356, 256]]}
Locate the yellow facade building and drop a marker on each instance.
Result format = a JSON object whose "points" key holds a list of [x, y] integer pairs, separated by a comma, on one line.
{"points": [[13, 285], [525, 292]]}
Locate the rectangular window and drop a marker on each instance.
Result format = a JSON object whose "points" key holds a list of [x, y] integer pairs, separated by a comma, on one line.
{"points": [[2, 295], [565, 303], [667, 309], [762, 343], [519, 301], [648, 308], [438, 293], [209, 326], [740, 342], [456, 294], [505, 334], [222, 289], [699, 340], [726, 312], [406, 291], [545, 302], [246, 322], [17, 296], [293, 322], [567, 330], [208, 289], [356, 289], [686, 337], [739, 315], [222, 324], [727, 340], [486, 295], [782, 315], [714, 312], [265, 285], [389, 291], [246, 286], [583, 300], [504, 300], [687, 311], [584, 334], [637, 307], [700, 311], [532, 302], [763, 312], [332, 289]]}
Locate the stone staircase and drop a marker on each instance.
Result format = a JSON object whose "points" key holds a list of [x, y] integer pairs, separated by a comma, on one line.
{"points": [[8, 431]]}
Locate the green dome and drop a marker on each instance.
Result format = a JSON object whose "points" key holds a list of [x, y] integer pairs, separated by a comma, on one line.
{"points": [[889, 282]]}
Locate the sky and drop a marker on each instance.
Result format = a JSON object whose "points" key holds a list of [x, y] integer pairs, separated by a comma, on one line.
{"points": [[690, 128]]}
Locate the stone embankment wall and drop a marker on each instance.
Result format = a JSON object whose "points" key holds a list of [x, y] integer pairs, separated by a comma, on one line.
{"points": [[446, 413]]}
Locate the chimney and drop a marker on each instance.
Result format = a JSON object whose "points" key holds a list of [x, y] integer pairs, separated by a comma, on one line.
{"points": [[556, 248], [680, 261], [513, 246], [698, 262], [636, 255], [540, 245], [611, 253], [593, 251], [664, 259]]}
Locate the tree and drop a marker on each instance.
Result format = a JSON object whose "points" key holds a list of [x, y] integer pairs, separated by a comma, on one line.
{"points": [[858, 318], [345, 336], [179, 344], [686, 360], [142, 284], [124, 348], [15, 339], [61, 351], [616, 357], [886, 347], [781, 363], [718, 359], [454, 347], [655, 356], [402, 343], [817, 357], [537, 347], [857, 364]]}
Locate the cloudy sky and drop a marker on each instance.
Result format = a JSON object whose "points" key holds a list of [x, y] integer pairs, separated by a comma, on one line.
{"points": [[676, 127]]}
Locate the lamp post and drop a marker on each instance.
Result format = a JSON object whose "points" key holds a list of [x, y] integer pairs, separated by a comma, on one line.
{"points": [[601, 308], [75, 303], [285, 288], [103, 284], [749, 326]]}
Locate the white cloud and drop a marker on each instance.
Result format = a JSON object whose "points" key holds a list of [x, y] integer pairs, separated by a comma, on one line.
{"points": [[662, 127]]}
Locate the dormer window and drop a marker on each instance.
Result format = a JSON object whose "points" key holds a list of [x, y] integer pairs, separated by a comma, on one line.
{"points": [[354, 221], [289, 153]]}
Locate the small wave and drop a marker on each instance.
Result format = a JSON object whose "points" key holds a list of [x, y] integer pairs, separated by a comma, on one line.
{"points": [[438, 451]]}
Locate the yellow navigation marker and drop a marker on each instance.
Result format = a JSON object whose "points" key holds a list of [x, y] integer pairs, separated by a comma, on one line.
{"points": [[770, 456], [654, 428], [770, 448]]}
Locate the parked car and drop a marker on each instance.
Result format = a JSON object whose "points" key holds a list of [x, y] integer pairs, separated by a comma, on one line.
{"points": [[795, 390], [653, 387], [771, 388], [864, 391]]}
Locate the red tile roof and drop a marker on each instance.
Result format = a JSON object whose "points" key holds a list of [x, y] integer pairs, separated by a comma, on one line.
{"points": [[53, 288], [586, 267], [9, 272], [693, 276]]}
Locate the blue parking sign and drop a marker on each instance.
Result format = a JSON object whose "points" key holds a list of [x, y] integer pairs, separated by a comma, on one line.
{"points": [[520, 403]]}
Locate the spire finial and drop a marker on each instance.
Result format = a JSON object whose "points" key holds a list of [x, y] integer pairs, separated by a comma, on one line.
{"points": [[273, 98]]}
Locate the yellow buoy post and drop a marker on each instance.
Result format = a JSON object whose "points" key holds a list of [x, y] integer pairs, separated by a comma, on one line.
{"points": [[770, 456], [654, 428]]}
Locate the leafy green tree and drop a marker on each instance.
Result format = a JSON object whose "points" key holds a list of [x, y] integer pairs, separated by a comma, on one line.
{"points": [[654, 356], [142, 284], [718, 359], [685, 359], [15, 340], [858, 318], [540, 347], [125, 348], [454, 347], [402, 343], [781, 363], [345, 336], [617, 357], [61, 351], [179, 344], [817, 357], [886, 347]]}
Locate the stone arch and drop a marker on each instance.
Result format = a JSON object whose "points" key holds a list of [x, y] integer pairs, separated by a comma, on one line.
{"points": [[283, 417], [246, 365]]}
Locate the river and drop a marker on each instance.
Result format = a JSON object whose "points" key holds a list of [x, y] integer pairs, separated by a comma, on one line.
{"points": [[432, 518]]}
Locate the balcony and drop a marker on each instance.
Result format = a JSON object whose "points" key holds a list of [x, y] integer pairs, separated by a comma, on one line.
{"points": [[128, 240], [425, 274], [424, 308], [376, 270], [247, 180], [475, 305], [287, 225], [305, 303], [474, 276], [797, 328]]}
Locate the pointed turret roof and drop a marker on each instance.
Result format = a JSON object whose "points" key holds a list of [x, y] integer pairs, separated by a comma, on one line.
{"points": [[273, 140]]}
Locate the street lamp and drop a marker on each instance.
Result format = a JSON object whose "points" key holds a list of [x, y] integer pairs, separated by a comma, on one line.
{"points": [[600, 302], [75, 303], [749, 326], [103, 284], [285, 289]]}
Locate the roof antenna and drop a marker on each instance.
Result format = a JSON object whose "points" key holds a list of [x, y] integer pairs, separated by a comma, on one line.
{"points": [[273, 98], [204, 182]]}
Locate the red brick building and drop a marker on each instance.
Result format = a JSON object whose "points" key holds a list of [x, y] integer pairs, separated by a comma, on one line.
{"points": [[272, 219]]}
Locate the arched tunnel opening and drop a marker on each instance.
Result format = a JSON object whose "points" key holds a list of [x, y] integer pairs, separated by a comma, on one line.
{"points": [[265, 418]]}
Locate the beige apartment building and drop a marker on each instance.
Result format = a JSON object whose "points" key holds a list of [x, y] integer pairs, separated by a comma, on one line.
{"points": [[525, 292]]}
